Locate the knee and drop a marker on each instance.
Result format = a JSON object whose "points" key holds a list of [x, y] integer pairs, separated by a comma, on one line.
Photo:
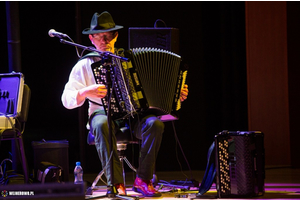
{"points": [[99, 126], [155, 124]]}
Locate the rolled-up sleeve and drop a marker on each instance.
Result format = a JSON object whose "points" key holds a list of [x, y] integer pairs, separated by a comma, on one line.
{"points": [[80, 77]]}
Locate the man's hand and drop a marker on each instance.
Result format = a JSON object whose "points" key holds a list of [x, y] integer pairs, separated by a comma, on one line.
{"points": [[184, 93], [93, 91], [96, 91]]}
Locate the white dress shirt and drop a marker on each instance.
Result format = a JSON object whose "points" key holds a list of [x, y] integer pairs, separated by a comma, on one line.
{"points": [[80, 77]]}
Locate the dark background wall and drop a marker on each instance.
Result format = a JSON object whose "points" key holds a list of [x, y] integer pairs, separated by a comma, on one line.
{"points": [[212, 42], [272, 77]]}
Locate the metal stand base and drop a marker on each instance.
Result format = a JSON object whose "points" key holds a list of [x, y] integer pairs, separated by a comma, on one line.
{"points": [[112, 192]]}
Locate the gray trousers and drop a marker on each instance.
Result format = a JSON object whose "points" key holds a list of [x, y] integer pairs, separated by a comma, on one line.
{"points": [[149, 130]]}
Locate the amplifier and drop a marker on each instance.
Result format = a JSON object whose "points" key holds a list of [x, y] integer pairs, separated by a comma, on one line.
{"points": [[240, 164], [51, 151], [166, 38]]}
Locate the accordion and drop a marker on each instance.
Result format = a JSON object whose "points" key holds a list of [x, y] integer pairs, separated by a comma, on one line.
{"points": [[240, 164], [150, 82]]}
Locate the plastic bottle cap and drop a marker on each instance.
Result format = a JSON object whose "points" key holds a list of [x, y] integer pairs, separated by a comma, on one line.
{"points": [[78, 163]]}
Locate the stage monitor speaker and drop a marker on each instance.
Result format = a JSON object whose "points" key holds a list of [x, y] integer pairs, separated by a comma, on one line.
{"points": [[49, 191], [240, 164], [161, 38]]}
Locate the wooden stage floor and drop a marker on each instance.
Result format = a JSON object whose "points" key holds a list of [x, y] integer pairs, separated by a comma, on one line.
{"points": [[280, 183]]}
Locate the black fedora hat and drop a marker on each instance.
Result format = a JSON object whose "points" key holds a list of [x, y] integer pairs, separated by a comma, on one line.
{"points": [[101, 23]]}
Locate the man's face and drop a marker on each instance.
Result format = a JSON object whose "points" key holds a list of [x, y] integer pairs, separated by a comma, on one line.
{"points": [[104, 41]]}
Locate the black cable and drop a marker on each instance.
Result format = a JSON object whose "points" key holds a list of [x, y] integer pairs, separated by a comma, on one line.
{"points": [[15, 131], [7, 175], [178, 142]]}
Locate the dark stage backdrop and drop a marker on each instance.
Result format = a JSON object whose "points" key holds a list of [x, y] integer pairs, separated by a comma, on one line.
{"points": [[212, 42]]}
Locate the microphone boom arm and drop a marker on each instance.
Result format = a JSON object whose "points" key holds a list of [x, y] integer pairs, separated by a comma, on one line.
{"points": [[101, 53]]}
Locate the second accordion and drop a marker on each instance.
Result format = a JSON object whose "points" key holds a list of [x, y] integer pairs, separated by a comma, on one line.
{"points": [[149, 83]]}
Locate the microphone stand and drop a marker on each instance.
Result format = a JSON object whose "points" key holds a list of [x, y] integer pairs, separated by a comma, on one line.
{"points": [[101, 53], [106, 58]]}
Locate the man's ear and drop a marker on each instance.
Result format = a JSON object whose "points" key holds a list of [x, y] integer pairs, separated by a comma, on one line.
{"points": [[91, 38], [116, 35]]}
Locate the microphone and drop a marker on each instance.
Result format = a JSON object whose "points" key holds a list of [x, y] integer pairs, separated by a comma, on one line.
{"points": [[54, 33]]}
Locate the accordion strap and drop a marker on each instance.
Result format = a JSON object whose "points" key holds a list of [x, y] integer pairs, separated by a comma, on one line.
{"points": [[89, 55], [95, 103], [210, 172]]}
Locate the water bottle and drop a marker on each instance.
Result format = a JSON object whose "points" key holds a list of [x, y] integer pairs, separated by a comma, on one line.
{"points": [[78, 173]]}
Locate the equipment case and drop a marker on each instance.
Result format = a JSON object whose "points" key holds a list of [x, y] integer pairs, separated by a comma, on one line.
{"points": [[11, 94]]}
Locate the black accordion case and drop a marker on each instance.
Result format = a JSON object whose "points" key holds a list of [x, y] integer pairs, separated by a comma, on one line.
{"points": [[240, 164]]}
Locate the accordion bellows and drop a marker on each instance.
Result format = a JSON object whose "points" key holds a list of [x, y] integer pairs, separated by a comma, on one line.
{"points": [[151, 81], [161, 77]]}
